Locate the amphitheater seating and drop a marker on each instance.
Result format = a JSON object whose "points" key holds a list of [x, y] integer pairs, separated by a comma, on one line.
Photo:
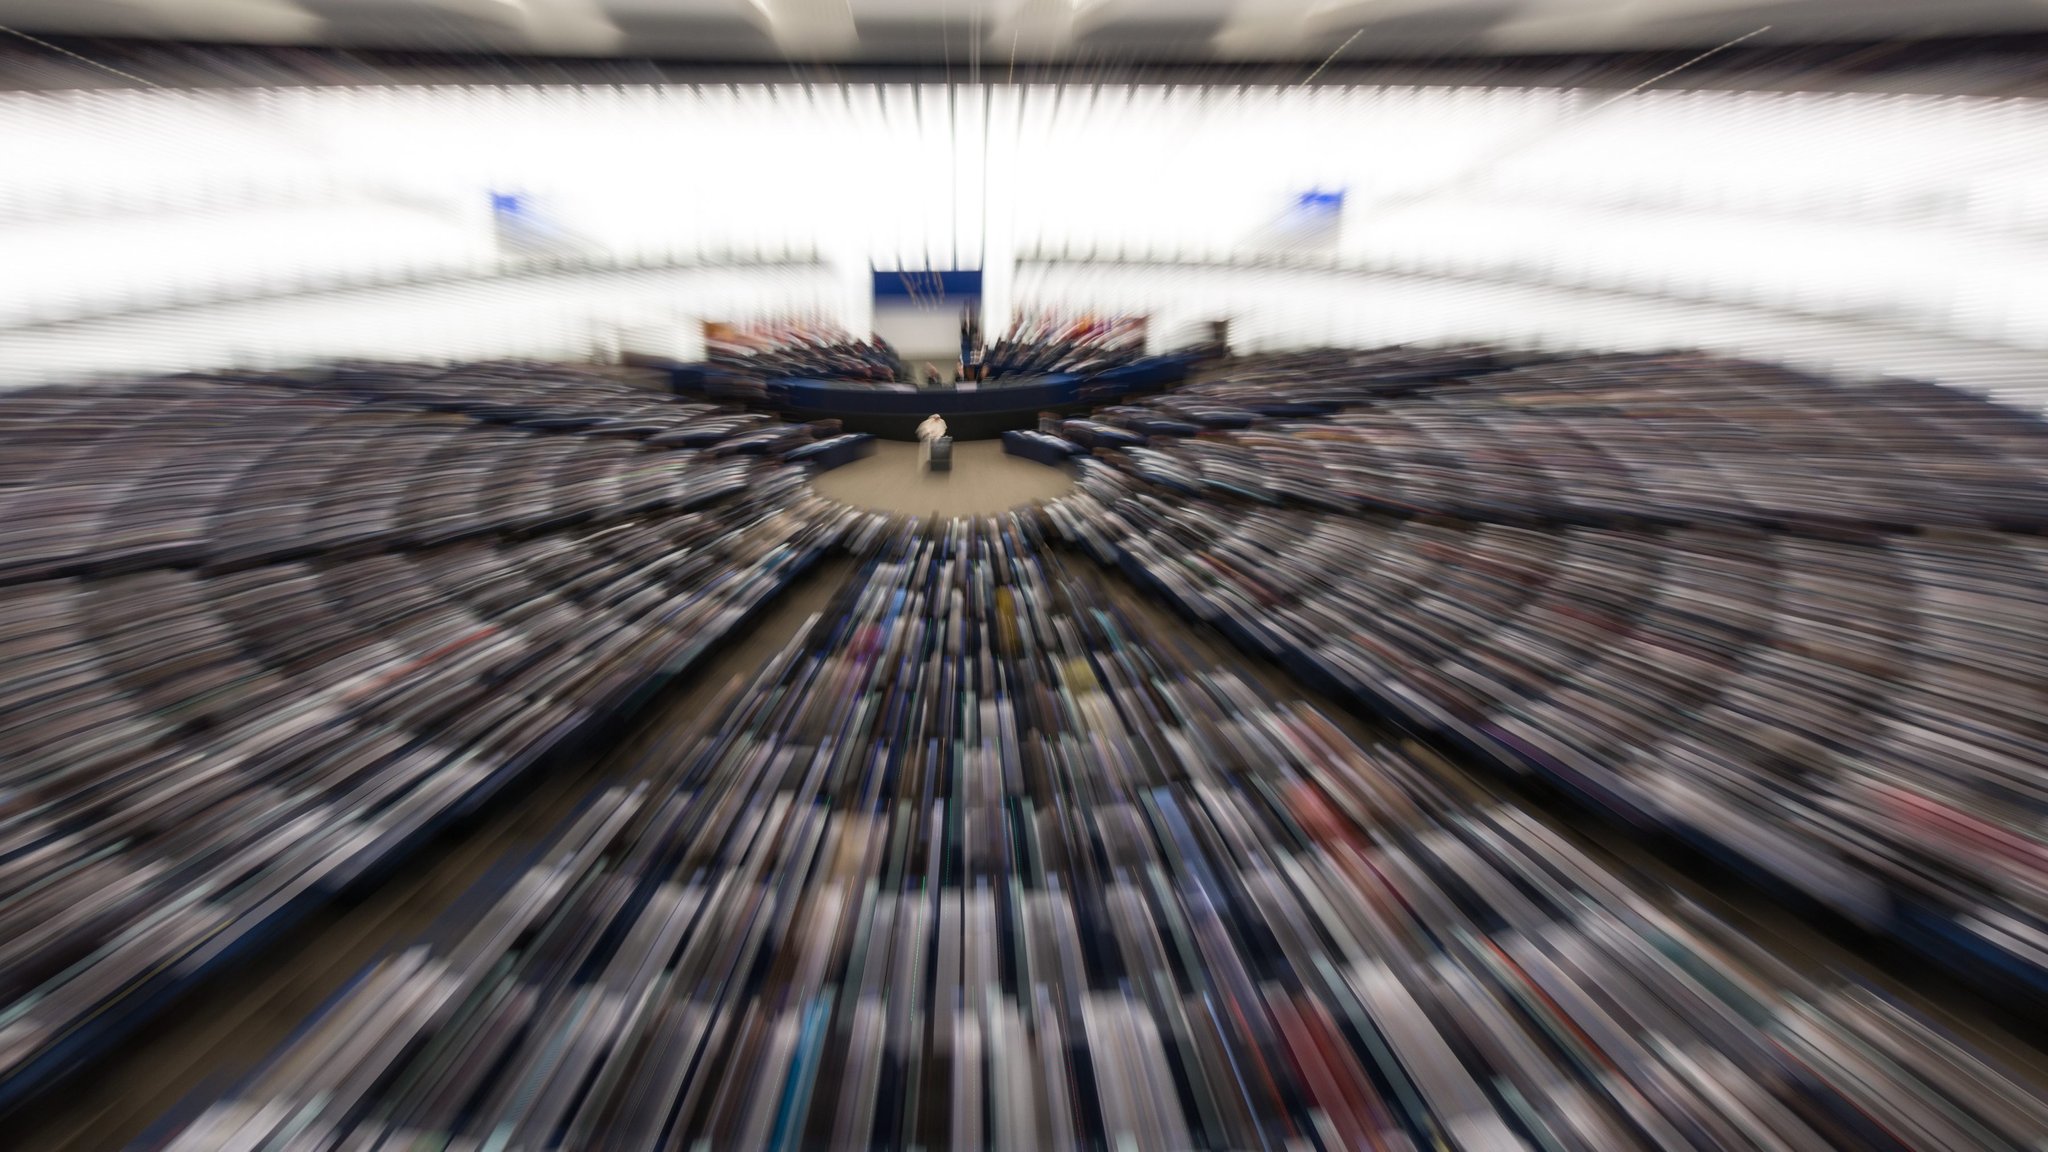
{"points": [[1793, 622], [262, 637], [1142, 902], [988, 837]]}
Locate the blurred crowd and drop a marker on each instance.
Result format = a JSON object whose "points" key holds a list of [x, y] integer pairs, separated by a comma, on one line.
{"points": [[803, 350], [1797, 621], [745, 359], [259, 635], [1057, 343], [979, 862], [994, 854]]}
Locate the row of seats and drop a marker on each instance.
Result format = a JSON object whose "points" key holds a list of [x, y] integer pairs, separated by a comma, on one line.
{"points": [[220, 471], [983, 860], [1278, 383], [1011, 356], [1668, 440], [871, 360], [986, 858], [1827, 667], [548, 397], [263, 637]]}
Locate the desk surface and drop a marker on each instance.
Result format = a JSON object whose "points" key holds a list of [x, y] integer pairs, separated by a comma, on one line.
{"points": [[844, 397], [985, 410]]}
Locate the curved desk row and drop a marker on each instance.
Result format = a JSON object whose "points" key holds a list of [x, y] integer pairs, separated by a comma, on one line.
{"points": [[984, 411], [979, 413]]}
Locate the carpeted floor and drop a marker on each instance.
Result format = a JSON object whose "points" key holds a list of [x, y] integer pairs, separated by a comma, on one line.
{"points": [[983, 481]]}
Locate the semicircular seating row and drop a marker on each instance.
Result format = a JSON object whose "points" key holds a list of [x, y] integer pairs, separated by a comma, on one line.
{"points": [[983, 728], [220, 471], [1800, 624], [259, 636], [982, 859]]}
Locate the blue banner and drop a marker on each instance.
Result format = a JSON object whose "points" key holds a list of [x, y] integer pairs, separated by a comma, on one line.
{"points": [[929, 287]]}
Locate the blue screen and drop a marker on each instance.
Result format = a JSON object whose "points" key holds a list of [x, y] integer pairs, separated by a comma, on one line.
{"points": [[928, 285]]}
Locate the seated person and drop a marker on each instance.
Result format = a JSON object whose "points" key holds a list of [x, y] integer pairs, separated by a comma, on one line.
{"points": [[933, 428]]}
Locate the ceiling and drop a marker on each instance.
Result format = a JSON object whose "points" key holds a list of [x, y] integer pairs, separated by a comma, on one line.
{"points": [[993, 32]]}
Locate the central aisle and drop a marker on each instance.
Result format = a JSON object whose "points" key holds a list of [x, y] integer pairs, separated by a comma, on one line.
{"points": [[983, 481]]}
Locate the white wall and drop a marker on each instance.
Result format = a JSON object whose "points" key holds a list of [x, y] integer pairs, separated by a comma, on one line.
{"points": [[921, 333], [569, 315], [1923, 216]]}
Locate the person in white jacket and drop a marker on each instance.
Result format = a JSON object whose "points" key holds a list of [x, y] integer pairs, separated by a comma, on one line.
{"points": [[933, 428]]}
